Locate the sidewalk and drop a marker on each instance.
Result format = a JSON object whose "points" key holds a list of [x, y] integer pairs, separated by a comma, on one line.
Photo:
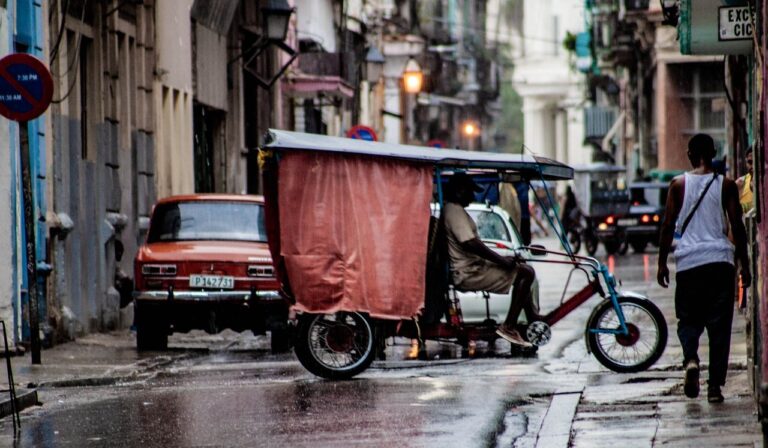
{"points": [[649, 409], [93, 360]]}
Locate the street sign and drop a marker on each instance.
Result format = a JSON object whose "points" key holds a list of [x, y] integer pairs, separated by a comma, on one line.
{"points": [[735, 23], [437, 143], [26, 87], [716, 27], [361, 132]]}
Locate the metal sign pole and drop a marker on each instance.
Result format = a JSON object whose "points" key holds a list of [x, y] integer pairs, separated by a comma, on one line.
{"points": [[29, 233], [26, 90]]}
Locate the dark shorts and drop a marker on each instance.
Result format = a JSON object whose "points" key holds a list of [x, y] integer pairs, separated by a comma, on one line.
{"points": [[706, 287]]}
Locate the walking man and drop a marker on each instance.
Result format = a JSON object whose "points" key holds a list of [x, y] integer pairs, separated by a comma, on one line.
{"points": [[700, 206]]}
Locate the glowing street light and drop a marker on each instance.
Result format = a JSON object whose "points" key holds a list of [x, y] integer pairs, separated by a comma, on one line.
{"points": [[470, 129], [413, 77]]}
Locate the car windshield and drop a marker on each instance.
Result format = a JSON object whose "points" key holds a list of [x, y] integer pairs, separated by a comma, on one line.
{"points": [[208, 220], [655, 196], [490, 226]]}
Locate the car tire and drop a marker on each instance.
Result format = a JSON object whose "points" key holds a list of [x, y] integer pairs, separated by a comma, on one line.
{"points": [[639, 246], [590, 243], [151, 331], [281, 339], [611, 247]]}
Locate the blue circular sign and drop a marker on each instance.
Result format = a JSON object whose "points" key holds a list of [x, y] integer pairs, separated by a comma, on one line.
{"points": [[26, 87], [361, 132]]}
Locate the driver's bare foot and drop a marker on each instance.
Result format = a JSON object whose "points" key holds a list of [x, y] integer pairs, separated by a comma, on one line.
{"points": [[512, 335]]}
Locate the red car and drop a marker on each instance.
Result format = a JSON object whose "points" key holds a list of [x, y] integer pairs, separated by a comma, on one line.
{"points": [[206, 265]]}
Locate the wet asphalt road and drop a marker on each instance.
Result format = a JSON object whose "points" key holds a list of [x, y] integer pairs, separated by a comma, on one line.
{"points": [[237, 394]]}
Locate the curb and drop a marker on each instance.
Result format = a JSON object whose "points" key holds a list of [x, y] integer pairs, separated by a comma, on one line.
{"points": [[24, 400]]}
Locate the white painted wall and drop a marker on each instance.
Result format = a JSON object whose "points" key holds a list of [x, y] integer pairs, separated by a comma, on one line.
{"points": [[552, 90], [315, 22], [173, 43], [7, 190]]}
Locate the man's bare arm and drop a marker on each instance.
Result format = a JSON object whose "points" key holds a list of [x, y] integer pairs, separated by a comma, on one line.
{"points": [[477, 247], [671, 212]]}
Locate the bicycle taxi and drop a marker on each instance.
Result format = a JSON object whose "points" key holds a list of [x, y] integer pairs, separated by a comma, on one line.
{"points": [[355, 248]]}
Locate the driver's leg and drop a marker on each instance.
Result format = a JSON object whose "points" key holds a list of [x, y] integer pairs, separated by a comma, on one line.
{"points": [[521, 295]]}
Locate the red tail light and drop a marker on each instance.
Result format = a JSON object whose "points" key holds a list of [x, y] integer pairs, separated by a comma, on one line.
{"points": [[610, 220], [645, 219]]}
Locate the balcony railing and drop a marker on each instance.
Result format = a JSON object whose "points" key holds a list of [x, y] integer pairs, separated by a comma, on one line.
{"points": [[330, 64], [598, 121]]}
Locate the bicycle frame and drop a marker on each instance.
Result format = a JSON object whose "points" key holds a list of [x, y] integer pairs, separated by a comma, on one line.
{"points": [[598, 271]]}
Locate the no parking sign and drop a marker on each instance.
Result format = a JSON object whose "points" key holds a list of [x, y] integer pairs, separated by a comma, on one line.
{"points": [[26, 87], [361, 132]]}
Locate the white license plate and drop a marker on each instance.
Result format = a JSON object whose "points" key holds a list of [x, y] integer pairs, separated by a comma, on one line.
{"points": [[627, 222], [211, 281]]}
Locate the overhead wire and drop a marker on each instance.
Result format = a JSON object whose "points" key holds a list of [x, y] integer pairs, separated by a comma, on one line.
{"points": [[75, 61], [55, 49]]}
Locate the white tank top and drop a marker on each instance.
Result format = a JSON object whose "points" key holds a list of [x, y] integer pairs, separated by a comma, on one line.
{"points": [[705, 239]]}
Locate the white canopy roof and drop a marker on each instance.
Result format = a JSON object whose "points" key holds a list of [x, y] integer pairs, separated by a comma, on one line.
{"points": [[527, 165]]}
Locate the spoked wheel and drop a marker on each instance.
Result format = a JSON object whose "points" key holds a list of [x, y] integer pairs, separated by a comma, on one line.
{"points": [[335, 346], [574, 239], [633, 352]]}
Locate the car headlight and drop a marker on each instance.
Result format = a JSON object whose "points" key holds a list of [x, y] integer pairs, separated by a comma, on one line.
{"points": [[158, 269]]}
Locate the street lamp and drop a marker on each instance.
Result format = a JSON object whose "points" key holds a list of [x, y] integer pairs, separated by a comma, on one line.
{"points": [[374, 64], [413, 77], [470, 129], [276, 16]]}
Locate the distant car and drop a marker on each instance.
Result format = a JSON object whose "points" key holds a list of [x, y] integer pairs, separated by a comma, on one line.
{"points": [[646, 213], [206, 265], [497, 232]]}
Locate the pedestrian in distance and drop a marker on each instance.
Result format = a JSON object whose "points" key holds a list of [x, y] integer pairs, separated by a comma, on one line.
{"points": [[701, 205], [746, 186]]}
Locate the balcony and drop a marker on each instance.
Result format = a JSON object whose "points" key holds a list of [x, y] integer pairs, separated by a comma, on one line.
{"points": [[341, 65], [597, 122], [322, 73]]}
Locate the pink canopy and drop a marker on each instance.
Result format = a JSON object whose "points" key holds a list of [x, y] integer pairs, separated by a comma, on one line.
{"points": [[353, 232]]}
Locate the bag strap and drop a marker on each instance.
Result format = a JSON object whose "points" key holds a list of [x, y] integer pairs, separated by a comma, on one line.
{"points": [[696, 206]]}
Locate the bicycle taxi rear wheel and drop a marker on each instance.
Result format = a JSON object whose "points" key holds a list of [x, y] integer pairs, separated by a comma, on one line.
{"points": [[335, 346], [638, 350]]}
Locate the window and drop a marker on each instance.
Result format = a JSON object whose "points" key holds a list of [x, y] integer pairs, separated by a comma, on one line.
{"points": [[701, 92], [490, 226], [209, 220]]}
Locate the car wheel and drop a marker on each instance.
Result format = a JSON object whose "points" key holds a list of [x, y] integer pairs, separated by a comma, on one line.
{"points": [[612, 247], [281, 339], [639, 246], [590, 243], [151, 331]]}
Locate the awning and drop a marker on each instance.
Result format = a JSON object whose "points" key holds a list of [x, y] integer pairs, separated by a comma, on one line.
{"points": [[308, 86], [528, 165]]}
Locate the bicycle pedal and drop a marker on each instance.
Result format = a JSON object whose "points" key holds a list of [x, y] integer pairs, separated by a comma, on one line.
{"points": [[538, 333]]}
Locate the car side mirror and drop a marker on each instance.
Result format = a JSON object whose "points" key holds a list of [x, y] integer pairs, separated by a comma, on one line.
{"points": [[537, 250]]}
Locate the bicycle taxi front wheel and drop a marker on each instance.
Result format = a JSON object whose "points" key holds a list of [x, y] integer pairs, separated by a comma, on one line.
{"points": [[335, 346], [633, 352]]}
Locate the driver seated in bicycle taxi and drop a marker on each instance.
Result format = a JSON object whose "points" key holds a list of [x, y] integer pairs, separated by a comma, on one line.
{"points": [[475, 267]]}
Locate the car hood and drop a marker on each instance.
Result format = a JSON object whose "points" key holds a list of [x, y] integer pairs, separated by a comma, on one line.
{"points": [[230, 251]]}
